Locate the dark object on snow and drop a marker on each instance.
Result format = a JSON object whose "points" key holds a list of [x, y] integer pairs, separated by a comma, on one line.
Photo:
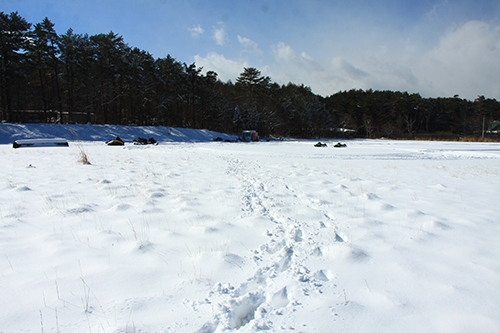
{"points": [[219, 139], [142, 141], [340, 145], [320, 144], [40, 143], [115, 142]]}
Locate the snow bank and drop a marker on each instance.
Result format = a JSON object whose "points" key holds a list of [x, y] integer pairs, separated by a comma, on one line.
{"points": [[11, 132]]}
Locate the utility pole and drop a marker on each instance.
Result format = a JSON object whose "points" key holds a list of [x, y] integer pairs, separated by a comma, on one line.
{"points": [[483, 128]]}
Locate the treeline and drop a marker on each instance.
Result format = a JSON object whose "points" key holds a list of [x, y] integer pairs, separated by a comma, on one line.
{"points": [[399, 114], [100, 79]]}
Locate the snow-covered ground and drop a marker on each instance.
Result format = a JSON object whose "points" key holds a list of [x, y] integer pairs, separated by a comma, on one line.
{"points": [[381, 236]]}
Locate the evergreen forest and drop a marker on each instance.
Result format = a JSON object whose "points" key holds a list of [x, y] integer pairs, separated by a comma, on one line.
{"points": [[77, 78]]}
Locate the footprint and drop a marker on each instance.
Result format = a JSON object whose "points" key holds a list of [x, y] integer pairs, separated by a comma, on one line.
{"points": [[370, 196], [122, 207], [317, 252], [324, 275], [280, 299], [156, 195], [285, 261], [234, 259], [433, 225], [23, 189], [297, 235], [387, 207], [81, 209], [242, 311], [358, 255]]}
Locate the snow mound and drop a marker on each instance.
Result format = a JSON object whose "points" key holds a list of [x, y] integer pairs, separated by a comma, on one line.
{"points": [[11, 132]]}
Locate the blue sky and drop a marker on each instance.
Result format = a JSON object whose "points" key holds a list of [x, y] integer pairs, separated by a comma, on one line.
{"points": [[432, 47]]}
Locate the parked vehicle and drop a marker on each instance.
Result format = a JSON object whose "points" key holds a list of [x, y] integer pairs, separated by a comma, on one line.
{"points": [[249, 136]]}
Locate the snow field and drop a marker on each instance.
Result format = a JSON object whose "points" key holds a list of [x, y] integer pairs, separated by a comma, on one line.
{"points": [[381, 236]]}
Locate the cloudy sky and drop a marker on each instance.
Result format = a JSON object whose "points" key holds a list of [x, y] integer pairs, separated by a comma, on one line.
{"points": [[432, 47]]}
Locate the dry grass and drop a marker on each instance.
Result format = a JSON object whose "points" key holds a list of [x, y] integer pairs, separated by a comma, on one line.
{"points": [[456, 138], [476, 139], [84, 157]]}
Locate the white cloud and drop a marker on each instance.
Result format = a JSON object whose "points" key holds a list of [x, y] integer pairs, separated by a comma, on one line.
{"points": [[220, 36], [300, 68], [286, 55], [305, 56], [438, 7], [196, 30], [348, 69], [466, 62], [226, 69], [326, 77], [283, 52], [249, 45]]}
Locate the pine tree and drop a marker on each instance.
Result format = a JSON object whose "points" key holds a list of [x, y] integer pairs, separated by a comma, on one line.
{"points": [[14, 41]]}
